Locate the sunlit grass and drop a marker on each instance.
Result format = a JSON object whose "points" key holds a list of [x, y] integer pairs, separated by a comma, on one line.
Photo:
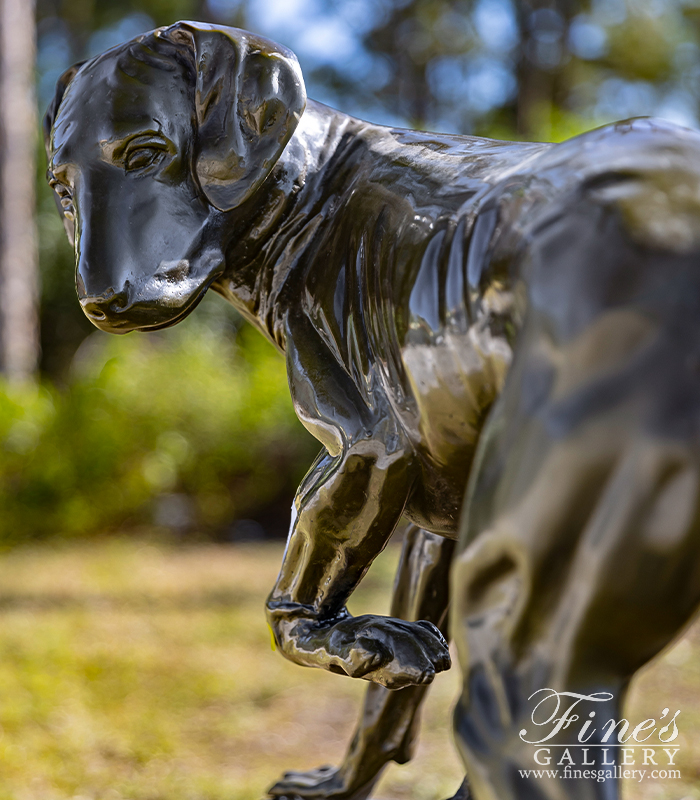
{"points": [[131, 670]]}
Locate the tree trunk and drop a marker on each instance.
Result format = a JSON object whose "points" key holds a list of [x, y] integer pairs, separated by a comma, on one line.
{"points": [[19, 283]]}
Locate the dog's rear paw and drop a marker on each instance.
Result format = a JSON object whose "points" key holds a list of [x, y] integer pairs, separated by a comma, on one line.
{"points": [[323, 783]]}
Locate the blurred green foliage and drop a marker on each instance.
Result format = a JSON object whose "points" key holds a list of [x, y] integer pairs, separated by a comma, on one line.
{"points": [[184, 429], [192, 429]]}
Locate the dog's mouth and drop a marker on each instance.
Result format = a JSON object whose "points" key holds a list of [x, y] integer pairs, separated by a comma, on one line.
{"points": [[179, 317], [135, 317], [152, 310]]}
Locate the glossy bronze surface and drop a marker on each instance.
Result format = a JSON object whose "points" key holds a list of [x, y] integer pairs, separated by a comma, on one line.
{"points": [[520, 319]]}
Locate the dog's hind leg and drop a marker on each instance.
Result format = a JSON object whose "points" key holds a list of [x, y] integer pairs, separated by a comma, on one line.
{"points": [[389, 722], [589, 566], [579, 558]]}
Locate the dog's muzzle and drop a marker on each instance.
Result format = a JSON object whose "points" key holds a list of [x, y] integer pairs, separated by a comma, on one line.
{"points": [[99, 309], [114, 315], [159, 301]]}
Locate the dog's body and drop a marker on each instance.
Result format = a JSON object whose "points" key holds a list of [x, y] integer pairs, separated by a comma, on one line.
{"points": [[350, 282], [401, 273]]}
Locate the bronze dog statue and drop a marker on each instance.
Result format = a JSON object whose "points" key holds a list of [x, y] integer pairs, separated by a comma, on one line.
{"points": [[514, 321]]}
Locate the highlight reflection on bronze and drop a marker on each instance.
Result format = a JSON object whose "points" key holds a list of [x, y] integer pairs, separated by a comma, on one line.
{"points": [[517, 321]]}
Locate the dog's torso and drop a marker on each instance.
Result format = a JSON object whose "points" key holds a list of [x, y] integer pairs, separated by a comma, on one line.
{"points": [[403, 260]]}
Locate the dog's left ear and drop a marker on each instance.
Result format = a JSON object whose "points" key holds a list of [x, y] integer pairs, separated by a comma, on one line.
{"points": [[249, 99], [47, 125], [52, 110]]}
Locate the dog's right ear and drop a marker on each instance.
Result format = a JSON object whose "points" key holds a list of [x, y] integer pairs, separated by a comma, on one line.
{"points": [[249, 97]]}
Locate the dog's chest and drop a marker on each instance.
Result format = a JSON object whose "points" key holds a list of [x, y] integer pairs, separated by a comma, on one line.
{"points": [[393, 304]]}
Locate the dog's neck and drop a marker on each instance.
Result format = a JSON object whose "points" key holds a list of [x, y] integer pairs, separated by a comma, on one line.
{"points": [[258, 237], [271, 242]]}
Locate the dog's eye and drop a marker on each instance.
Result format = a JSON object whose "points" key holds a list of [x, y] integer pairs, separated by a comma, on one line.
{"points": [[142, 157]]}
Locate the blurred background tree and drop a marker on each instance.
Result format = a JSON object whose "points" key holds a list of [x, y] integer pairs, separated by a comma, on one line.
{"points": [[191, 429], [19, 332]]}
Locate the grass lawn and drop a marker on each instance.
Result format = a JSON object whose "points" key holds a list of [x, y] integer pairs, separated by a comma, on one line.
{"points": [[133, 670]]}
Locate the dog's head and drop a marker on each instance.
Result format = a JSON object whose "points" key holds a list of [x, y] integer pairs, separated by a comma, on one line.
{"points": [[149, 145]]}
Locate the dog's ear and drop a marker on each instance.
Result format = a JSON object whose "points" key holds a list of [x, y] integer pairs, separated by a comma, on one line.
{"points": [[47, 125], [249, 97], [52, 110]]}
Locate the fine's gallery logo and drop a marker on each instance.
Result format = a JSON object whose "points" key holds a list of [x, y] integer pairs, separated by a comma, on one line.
{"points": [[573, 739]]}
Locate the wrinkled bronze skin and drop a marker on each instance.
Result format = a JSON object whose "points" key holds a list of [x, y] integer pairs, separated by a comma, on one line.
{"points": [[517, 321]]}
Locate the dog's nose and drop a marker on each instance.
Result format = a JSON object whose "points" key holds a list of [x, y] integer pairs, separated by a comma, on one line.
{"points": [[93, 310], [98, 308]]}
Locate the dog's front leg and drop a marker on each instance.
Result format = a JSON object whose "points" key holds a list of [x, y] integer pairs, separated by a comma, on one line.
{"points": [[345, 512], [388, 725]]}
